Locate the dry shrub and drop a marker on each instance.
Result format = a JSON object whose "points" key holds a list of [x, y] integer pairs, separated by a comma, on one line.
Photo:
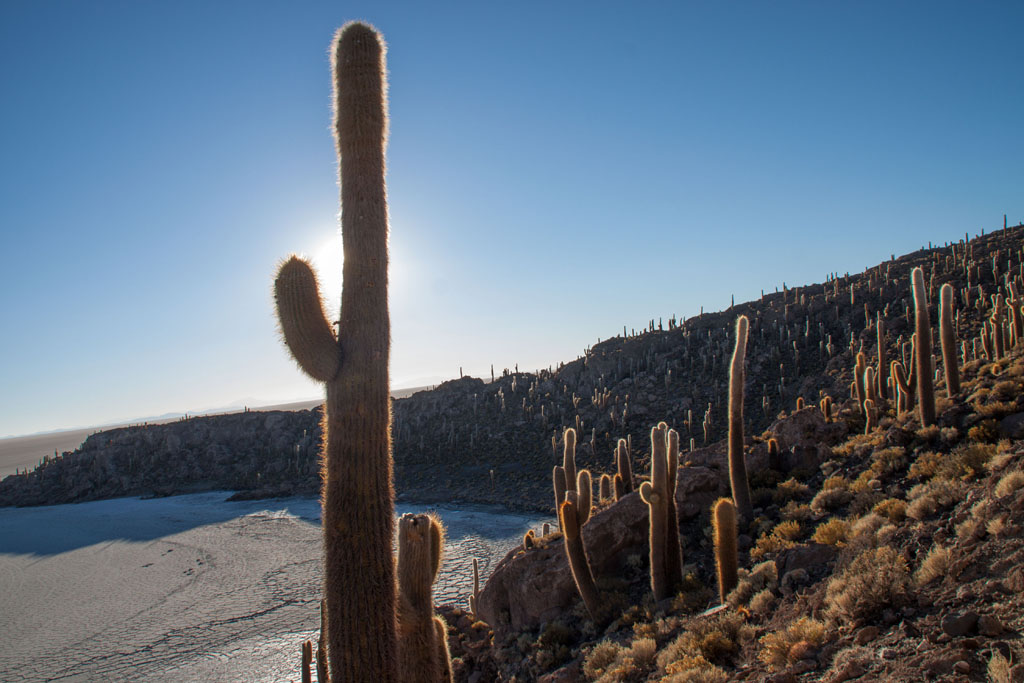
{"points": [[894, 509], [832, 532], [999, 670], [694, 670], [781, 649], [855, 657], [966, 462], [996, 526], [798, 512], [611, 663], [790, 489], [986, 431], [1009, 483], [935, 565], [600, 658], [888, 461], [999, 461], [876, 579], [762, 576], [926, 465], [834, 482], [783, 536], [928, 434], [716, 639], [1007, 390], [866, 525], [860, 445], [830, 499], [762, 602], [932, 497]]}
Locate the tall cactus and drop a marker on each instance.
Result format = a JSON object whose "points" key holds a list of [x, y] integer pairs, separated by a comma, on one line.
{"points": [[573, 514], [883, 366], [923, 351], [737, 463], [624, 475], [358, 498], [659, 493], [422, 636], [947, 339]]}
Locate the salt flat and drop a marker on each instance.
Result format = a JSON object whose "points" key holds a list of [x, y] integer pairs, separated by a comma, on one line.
{"points": [[187, 588]]}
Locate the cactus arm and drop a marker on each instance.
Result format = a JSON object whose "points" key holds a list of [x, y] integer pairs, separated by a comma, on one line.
{"points": [[443, 654], [569, 458], [300, 313], [577, 556], [436, 546]]}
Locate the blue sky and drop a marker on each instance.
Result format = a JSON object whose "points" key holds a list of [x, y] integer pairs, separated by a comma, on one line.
{"points": [[556, 171]]}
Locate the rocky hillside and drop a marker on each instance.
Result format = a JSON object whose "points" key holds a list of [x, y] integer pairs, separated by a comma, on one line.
{"points": [[495, 442]]}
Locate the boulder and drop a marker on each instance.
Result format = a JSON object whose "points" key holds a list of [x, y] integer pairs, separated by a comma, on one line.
{"points": [[528, 588]]}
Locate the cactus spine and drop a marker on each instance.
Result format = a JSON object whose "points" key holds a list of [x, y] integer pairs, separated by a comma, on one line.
{"points": [[923, 351], [737, 464], [573, 513], [358, 498], [422, 636], [948, 340], [726, 561]]}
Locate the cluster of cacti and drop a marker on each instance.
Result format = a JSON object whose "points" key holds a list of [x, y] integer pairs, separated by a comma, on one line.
{"points": [[666, 563], [358, 499], [422, 636]]}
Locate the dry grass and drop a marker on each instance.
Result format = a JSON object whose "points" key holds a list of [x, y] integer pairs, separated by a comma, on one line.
{"points": [[788, 490], [893, 509], [609, 662], [783, 536], [716, 640], [830, 499], [1009, 484], [783, 648], [934, 566], [932, 497], [794, 511], [832, 532], [876, 579]]}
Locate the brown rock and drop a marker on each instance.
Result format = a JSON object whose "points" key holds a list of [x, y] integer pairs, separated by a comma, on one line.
{"points": [[956, 625], [527, 589], [866, 635], [990, 626]]}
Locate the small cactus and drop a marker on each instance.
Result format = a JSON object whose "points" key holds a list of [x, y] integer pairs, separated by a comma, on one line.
{"points": [[307, 661], [604, 488], [723, 516], [474, 598], [528, 540], [625, 470], [422, 636]]}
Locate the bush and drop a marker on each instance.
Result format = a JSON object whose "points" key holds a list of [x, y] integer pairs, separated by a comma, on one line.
{"points": [[894, 509], [783, 648], [832, 532], [934, 566], [876, 579], [1009, 483]]}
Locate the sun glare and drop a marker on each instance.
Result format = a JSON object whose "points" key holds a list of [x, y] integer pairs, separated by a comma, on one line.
{"points": [[327, 261]]}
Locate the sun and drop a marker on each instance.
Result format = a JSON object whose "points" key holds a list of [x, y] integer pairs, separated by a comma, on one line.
{"points": [[327, 261]]}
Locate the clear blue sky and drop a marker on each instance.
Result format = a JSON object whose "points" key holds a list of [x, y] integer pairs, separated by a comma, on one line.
{"points": [[556, 171]]}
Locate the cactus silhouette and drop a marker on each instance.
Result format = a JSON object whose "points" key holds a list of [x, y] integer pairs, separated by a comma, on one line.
{"points": [[948, 341], [923, 351], [422, 640], [737, 464], [358, 498], [723, 517], [573, 513]]}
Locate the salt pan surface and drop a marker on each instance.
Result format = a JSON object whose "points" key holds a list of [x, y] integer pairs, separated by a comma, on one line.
{"points": [[187, 588]]}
